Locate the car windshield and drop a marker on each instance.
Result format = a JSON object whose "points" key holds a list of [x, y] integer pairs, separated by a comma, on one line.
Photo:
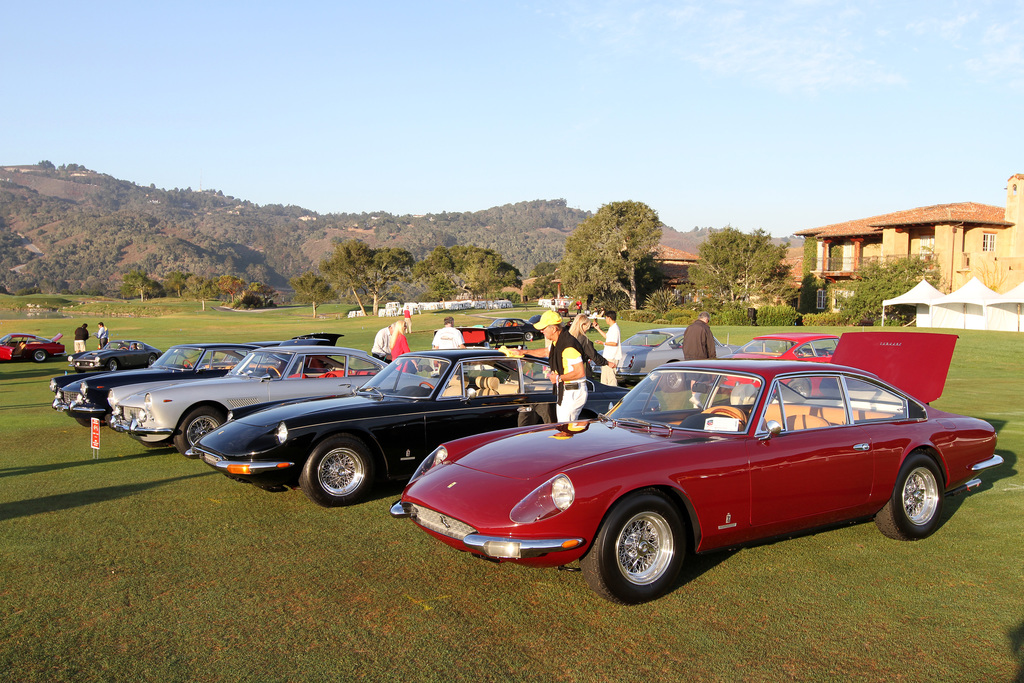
{"points": [[650, 339], [771, 347], [262, 363], [702, 400], [408, 375], [178, 358]]}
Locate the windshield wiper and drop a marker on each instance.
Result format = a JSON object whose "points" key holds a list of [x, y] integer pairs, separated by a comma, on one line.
{"points": [[643, 424]]}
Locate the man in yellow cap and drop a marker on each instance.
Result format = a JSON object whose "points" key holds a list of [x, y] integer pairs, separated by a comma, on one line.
{"points": [[568, 373]]}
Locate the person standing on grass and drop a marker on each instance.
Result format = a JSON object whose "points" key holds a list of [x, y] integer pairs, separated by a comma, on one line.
{"points": [[567, 374], [102, 335], [382, 345], [81, 336], [399, 344], [612, 348], [698, 341], [448, 337]]}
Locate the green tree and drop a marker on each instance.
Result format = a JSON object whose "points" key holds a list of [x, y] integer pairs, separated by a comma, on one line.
{"points": [[199, 288], [484, 271], [881, 281], [438, 274], [176, 280], [736, 266], [138, 282], [610, 253], [369, 272], [310, 288]]}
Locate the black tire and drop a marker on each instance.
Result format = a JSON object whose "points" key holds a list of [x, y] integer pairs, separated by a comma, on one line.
{"points": [[638, 551], [914, 509], [528, 337], [338, 472], [39, 355], [197, 422], [112, 364], [151, 359]]}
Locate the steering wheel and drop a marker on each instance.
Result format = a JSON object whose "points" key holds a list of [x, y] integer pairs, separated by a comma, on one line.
{"points": [[729, 411], [428, 385], [187, 365], [272, 369]]}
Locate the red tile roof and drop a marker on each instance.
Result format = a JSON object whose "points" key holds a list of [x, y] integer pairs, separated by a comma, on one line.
{"points": [[963, 212], [663, 253]]}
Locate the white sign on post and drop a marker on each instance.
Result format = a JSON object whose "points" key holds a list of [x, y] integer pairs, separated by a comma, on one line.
{"points": [[95, 435]]}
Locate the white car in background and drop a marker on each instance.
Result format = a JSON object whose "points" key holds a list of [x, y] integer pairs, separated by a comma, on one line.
{"points": [[179, 413]]}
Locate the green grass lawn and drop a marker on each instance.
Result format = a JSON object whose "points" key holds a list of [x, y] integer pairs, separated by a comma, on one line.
{"points": [[143, 565]]}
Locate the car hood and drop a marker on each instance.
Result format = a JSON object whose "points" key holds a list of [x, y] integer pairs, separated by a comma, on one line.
{"points": [[562, 447], [311, 410]]}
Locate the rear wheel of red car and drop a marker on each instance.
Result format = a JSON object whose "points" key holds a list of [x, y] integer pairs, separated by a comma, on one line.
{"points": [[338, 472], [39, 355], [638, 551], [915, 506], [195, 424]]}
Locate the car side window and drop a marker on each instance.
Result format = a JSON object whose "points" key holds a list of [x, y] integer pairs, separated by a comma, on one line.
{"points": [[535, 377], [824, 347], [804, 351], [870, 402], [220, 359], [806, 402]]}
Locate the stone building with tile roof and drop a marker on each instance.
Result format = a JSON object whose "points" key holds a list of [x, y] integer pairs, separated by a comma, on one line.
{"points": [[963, 240]]}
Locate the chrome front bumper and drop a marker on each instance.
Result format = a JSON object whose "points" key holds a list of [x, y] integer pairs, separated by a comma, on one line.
{"points": [[224, 465], [499, 547], [133, 428]]}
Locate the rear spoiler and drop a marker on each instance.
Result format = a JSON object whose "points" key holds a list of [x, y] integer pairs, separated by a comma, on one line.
{"points": [[915, 362]]}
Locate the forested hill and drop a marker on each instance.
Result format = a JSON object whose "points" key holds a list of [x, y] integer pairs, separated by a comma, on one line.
{"points": [[70, 228]]}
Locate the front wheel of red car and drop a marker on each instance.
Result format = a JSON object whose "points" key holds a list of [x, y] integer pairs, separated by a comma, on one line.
{"points": [[638, 551], [915, 506], [338, 472]]}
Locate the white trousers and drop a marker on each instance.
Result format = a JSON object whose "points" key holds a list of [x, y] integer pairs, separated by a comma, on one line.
{"points": [[572, 404]]}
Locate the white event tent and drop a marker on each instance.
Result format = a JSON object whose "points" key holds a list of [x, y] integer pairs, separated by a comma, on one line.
{"points": [[1004, 313], [922, 296], [966, 308]]}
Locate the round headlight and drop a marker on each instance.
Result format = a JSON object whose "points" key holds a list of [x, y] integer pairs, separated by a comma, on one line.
{"points": [[149, 399], [436, 458], [281, 433], [562, 492], [53, 384], [85, 387]]}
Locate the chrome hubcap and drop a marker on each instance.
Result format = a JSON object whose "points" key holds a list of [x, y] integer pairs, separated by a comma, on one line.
{"points": [[645, 548], [341, 472], [199, 427], [920, 496]]}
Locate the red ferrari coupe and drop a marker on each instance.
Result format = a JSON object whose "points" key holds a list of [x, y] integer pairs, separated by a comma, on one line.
{"points": [[790, 346], [20, 346], [704, 456]]}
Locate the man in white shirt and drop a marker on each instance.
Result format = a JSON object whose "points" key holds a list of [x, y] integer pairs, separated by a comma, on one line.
{"points": [[382, 344], [612, 348], [448, 337]]}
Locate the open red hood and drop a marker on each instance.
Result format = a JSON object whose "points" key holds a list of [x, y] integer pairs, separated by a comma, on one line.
{"points": [[916, 362]]}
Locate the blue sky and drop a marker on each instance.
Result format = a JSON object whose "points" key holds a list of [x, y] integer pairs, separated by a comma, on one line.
{"points": [[780, 115]]}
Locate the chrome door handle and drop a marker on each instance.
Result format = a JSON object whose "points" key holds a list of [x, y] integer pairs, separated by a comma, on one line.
{"points": [[862, 447]]}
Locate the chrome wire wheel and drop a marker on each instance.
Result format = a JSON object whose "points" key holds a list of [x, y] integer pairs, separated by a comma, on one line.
{"points": [[200, 426], [341, 472], [645, 548], [920, 496]]}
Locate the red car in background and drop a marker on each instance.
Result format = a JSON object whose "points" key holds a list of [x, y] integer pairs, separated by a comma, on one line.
{"points": [[790, 346], [22, 346]]}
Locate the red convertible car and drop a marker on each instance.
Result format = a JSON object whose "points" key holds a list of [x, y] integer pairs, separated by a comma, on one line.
{"points": [[710, 455], [20, 346]]}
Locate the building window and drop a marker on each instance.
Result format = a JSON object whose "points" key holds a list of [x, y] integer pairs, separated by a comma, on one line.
{"points": [[822, 299], [988, 241]]}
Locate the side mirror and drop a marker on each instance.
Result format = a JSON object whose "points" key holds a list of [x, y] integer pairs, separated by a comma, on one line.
{"points": [[774, 429]]}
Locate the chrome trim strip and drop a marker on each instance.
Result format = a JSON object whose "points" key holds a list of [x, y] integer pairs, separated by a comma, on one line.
{"points": [[254, 467], [994, 461], [964, 488], [530, 547]]}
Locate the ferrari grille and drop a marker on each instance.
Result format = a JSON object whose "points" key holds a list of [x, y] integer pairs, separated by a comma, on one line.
{"points": [[132, 412], [70, 396], [441, 524]]}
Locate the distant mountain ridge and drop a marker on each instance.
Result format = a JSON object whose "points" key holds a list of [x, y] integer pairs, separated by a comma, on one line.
{"points": [[70, 228]]}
